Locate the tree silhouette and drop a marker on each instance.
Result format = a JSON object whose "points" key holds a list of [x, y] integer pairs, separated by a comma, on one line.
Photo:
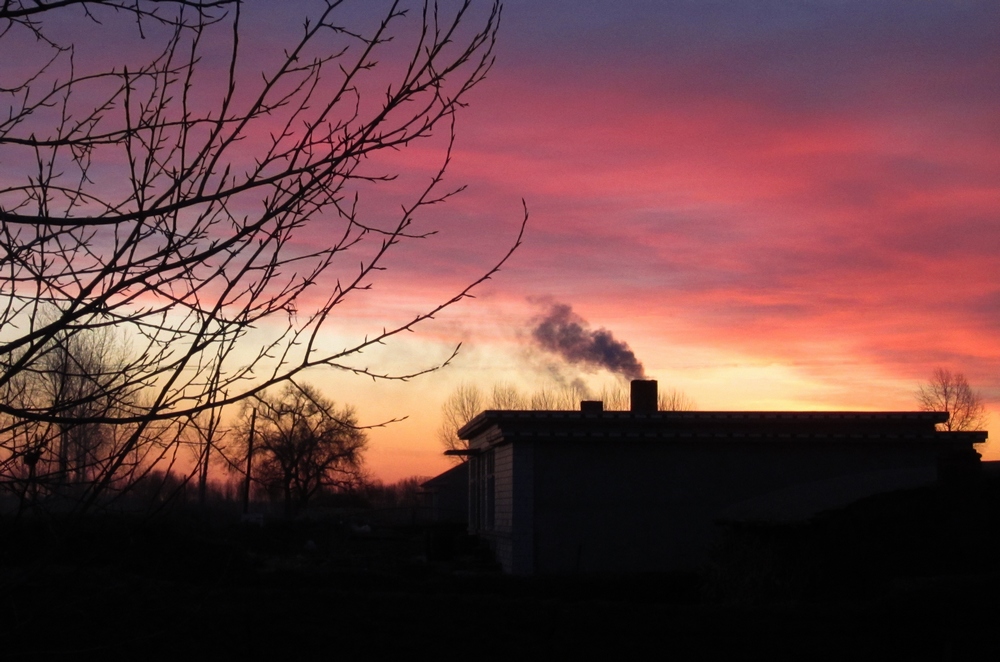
{"points": [[458, 409], [78, 378], [202, 201], [303, 443], [468, 400], [950, 392]]}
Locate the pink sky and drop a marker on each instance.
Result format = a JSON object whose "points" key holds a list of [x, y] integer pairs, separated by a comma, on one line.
{"points": [[787, 205], [776, 205]]}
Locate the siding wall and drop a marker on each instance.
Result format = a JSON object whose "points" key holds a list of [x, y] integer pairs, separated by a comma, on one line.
{"points": [[504, 481], [522, 560], [653, 507], [500, 537], [585, 505], [512, 538]]}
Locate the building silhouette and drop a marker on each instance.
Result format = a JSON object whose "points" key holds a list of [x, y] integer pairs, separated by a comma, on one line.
{"points": [[645, 490]]}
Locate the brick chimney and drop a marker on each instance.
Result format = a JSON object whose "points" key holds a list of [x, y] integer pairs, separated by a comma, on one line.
{"points": [[644, 396], [591, 406]]}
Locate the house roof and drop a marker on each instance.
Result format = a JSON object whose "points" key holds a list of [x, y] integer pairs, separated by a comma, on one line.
{"points": [[494, 427], [457, 474]]}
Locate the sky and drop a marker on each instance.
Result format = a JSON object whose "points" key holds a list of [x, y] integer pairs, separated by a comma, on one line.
{"points": [[776, 205], [767, 205]]}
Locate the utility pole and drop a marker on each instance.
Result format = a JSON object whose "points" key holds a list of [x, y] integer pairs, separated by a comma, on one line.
{"points": [[246, 485]]}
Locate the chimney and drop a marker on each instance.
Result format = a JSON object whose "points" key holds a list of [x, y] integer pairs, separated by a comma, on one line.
{"points": [[591, 406], [644, 396]]}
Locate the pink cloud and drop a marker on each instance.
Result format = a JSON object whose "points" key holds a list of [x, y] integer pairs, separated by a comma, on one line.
{"points": [[766, 223]]}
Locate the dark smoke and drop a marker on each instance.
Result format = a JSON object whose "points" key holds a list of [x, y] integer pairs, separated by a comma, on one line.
{"points": [[563, 332]]}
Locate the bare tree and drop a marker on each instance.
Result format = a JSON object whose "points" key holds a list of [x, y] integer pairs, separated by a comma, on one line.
{"points": [[615, 397], [505, 395], [404, 493], [468, 400], [618, 398], [461, 406], [186, 201], [207, 438], [78, 378], [950, 392], [566, 396], [675, 400], [303, 444]]}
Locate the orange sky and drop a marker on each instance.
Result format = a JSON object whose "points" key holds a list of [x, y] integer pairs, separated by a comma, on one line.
{"points": [[775, 205]]}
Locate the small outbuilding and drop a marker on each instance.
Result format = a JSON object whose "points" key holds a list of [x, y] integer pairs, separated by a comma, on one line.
{"points": [[446, 496], [644, 490]]}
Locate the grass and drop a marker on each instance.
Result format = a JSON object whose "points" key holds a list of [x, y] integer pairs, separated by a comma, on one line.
{"points": [[902, 576]]}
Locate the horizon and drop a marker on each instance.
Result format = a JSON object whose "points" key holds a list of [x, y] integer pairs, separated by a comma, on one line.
{"points": [[767, 206], [777, 207]]}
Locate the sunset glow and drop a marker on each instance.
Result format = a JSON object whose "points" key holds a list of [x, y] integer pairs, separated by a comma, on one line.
{"points": [[774, 205]]}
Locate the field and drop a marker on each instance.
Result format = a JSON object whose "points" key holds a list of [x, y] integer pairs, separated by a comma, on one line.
{"points": [[904, 576]]}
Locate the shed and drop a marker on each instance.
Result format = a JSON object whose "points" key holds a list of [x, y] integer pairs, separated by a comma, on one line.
{"points": [[643, 490], [446, 496]]}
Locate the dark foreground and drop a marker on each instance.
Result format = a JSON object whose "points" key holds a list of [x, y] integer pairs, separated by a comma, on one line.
{"points": [[908, 576]]}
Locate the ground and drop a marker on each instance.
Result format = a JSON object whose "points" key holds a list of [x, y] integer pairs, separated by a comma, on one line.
{"points": [[181, 585]]}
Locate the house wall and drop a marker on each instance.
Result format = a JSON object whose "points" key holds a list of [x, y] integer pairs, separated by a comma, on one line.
{"points": [[499, 538], [522, 561], [512, 537], [447, 496], [654, 507]]}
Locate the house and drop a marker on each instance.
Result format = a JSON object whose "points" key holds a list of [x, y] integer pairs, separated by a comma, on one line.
{"points": [[644, 490], [446, 496]]}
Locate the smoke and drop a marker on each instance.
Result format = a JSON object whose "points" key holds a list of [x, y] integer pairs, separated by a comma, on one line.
{"points": [[566, 334]]}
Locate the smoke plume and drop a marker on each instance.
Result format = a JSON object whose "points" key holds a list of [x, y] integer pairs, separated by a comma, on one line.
{"points": [[566, 334]]}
